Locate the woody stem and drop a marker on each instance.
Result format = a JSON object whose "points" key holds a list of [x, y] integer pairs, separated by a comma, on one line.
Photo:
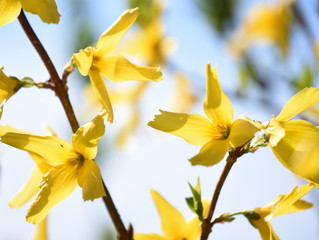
{"points": [[207, 223]]}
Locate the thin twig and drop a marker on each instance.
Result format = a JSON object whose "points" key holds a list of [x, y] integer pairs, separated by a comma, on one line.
{"points": [[207, 223], [61, 91]]}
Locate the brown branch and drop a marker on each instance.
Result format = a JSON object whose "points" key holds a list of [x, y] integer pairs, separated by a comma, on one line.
{"points": [[61, 91], [207, 223]]}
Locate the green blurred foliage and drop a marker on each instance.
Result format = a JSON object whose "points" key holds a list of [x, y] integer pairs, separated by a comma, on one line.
{"points": [[305, 79], [150, 10], [218, 13]]}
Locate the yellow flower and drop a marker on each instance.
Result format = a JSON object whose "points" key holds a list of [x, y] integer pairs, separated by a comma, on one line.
{"points": [[294, 141], [99, 61], [174, 225], [47, 10], [264, 23], [283, 204], [60, 167], [217, 134], [150, 43], [8, 87]]}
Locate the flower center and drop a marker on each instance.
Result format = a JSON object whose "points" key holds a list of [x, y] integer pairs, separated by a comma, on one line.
{"points": [[77, 161], [221, 132]]}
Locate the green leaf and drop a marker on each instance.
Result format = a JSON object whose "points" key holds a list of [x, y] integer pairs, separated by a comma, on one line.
{"points": [[195, 202]]}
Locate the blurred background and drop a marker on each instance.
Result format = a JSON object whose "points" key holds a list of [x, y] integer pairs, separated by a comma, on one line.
{"points": [[265, 52]]}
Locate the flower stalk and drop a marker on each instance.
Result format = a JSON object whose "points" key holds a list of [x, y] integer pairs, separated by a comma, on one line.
{"points": [[207, 223]]}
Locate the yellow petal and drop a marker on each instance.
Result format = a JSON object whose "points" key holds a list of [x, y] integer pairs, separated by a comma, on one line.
{"points": [[298, 103], [242, 130], [111, 37], [194, 128], [9, 10], [84, 60], [28, 190], [172, 221], [53, 149], [56, 186], [91, 181], [274, 132], [99, 87], [217, 106], [150, 236], [193, 229], [119, 69], [8, 87], [265, 229], [295, 150], [41, 163], [211, 153], [291, 202], [41, 230], [86, 138], [47, 10]]}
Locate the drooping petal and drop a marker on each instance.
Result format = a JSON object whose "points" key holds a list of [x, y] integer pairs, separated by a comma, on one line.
{"points": [[86, 138], [28, 190], [119, 69], [211, 153], [194, 128], [150, 236], [99, 87], [290, 202], [9, 10], [56, 186], [41, 230], [265, 229], [47, 10], [298, 149], [242, 130], [84, 60], [53, 149], [91, 181], [298, 103], [111, 37], [217, 106], [172, 221]]}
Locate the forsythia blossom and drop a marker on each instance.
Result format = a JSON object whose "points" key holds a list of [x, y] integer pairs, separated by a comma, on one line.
{"points": [[264, 23], [60, 167], [294, 141], [283, 204], [47, 10], [99, 61], [216, 134], [174, 225]]}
